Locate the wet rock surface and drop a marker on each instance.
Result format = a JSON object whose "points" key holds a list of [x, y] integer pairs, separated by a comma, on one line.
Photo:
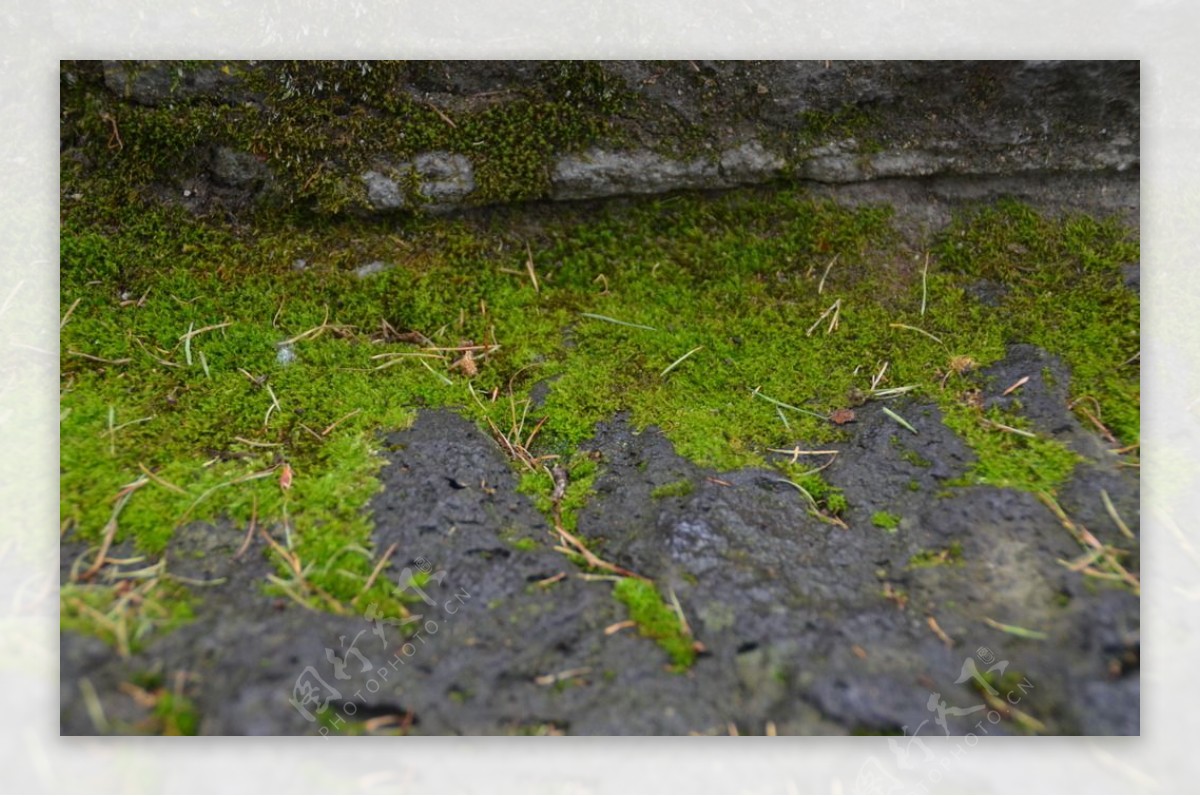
{"points": [[708, 124], [806, 627]]}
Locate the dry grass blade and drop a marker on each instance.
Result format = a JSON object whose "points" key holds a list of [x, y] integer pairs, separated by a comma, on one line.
{"points": [[161, 482], [249, 530], [72, 353], [796, 453], [937, 631], [899, 419], [924, 284], [274, 407], [1010, 429], [878, 377], [1013, 630], [66, 317], [551, 679], [204, 496], [684, 627], [375, 572], [1112, 512], [159, 360], [607, 319], [186, 339], [934, 338], [757, 393], [1016, 385], [679, 361], [1107, 554], [110, 528], [836, 309], [1093, 418], [617, 627], [529, 267], [338, 422], [91, 702], [828, 268]]}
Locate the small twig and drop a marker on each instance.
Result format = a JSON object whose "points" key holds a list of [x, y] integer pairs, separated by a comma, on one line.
{"points": [[159, 360], [375, 572], [161, 482], [204, 364], [1108, 435], [338, 422], [1016, 385], [835, 308], [937, 631], [249, 530], [551, 679], [440, 114], [67, 317], [110, 529], [1009, 429], [114, 139], [616, 627], [99, 359], [821, 284], [684, 627], [878, 377]]}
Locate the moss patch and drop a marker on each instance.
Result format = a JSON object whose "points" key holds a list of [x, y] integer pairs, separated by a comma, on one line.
{"points": [[681, 488], [197, 353], [655, 619], [937, 558], [886, 520]]}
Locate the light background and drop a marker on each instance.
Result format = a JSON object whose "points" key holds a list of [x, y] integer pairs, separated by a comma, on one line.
{"points": [[37, 33]]}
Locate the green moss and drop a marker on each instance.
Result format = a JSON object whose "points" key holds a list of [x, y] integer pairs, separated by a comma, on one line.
{"points": [[948, 556], [176, 715], [322, 123], [681, 488], [826, 499], [885, 520], [655, 619], [1067, 292], [1010, 459], [848, 121], [126, 622], [914, 458], [735, 276]]}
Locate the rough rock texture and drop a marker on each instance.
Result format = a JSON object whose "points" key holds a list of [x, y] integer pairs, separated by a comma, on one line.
{"points": [[807, 628], [713, 124]]}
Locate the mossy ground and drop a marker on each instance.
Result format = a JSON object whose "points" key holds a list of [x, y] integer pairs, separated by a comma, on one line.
{"points": [[621, 293], [318, 125]]}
